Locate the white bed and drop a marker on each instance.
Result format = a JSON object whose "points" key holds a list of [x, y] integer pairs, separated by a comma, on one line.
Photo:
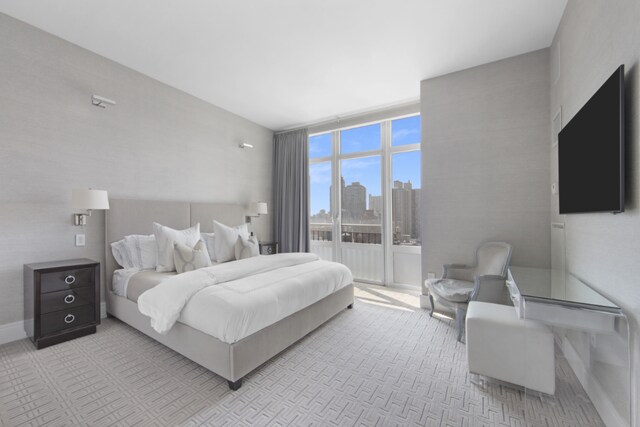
{"points": [[230, 317]]}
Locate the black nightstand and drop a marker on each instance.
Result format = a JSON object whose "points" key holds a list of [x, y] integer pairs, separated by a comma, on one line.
{"points": [[268, 248], [61, 300]]}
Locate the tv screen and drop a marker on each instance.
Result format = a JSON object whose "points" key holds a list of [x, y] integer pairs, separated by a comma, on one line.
{"points": [[591, 153]]}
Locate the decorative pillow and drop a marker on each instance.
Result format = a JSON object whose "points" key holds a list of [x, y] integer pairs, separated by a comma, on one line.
{"points": [[142, 250], [209, 240], [121, 254], [165, 239], [189, 259], [247, 247], [226, 238]]}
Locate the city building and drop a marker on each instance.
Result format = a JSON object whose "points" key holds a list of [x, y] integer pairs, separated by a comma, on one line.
{"points": [[354, 197]]}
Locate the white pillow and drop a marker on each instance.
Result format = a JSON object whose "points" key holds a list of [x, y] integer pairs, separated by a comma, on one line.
{"points": [[166, 237], [247, 247], [226, 238], [142, 250], [209, 241], [187, 258], [121, 254], [135, 251]]}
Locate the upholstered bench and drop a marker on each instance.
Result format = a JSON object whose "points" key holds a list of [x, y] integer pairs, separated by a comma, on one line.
{"points": [[502, 346]]}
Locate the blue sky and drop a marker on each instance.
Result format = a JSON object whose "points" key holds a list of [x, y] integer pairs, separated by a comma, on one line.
{"points": [[366, 170]]}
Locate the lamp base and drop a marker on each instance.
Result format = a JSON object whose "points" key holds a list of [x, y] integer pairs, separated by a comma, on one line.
{"points": [[80, 219]]}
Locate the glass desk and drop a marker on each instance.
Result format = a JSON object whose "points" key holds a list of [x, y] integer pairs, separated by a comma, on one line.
{"points": [[539, 294], [590, 331]]}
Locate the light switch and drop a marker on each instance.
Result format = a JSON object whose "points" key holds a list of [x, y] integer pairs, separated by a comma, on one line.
{"points": [[80, 240], [431, 275]]}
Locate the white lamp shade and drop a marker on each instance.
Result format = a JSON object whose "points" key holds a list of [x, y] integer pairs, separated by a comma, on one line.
{"points": [[259, 208], [89, 199]]}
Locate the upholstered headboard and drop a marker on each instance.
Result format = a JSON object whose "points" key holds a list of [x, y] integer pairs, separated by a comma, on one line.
{"points": [[128, 216]]}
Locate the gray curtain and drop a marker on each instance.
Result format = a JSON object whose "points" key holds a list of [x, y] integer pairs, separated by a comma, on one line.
{"points": [[291, 191]]}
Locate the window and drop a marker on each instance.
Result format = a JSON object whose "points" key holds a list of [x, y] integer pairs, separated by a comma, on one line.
{"points": [[405, 198], [365, 199], [321, 222], [405, 131], [361, 200], [320, 146], [364, 138]]}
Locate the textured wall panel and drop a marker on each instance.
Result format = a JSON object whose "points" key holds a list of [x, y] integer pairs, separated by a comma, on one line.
{"points": [[593, 39], [157, 143], [485, 157]]}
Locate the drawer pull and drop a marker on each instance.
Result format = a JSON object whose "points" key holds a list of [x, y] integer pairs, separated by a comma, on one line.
{"points": [[69, 318], [69, 299], [70, 280]]}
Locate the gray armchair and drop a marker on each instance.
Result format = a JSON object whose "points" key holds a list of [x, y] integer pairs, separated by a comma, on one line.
{"points": [[460, 284]]}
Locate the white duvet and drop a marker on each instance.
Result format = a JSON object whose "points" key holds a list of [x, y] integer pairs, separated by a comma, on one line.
{"points": [[233, 300]]}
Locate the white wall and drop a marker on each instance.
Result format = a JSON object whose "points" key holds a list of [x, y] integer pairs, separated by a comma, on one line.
{"points": [[156, 143], [593, 39], [485, 162]]}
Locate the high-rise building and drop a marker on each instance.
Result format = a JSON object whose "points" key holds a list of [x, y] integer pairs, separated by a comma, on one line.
{"points": [[415, 217], [405, 205], [401, 201], [354, 198], [375, 205]]}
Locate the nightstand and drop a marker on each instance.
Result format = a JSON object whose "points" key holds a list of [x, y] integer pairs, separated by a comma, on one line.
{"points": [[61, 300], [268, 248]]}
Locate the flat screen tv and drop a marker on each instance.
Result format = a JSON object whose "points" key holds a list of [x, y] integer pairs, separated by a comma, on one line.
{"points": [[591, 153]]}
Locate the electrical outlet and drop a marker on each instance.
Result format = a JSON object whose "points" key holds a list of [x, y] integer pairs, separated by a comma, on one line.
{"points": [[431, 275], [80, 240]]}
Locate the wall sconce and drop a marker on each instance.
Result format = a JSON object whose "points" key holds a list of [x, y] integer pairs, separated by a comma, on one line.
{"points": [[101, 101], [90, 200], [245, 145], [256, 209]]}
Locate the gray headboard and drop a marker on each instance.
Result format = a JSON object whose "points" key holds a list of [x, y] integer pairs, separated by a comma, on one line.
{"points": [[128, 216]]}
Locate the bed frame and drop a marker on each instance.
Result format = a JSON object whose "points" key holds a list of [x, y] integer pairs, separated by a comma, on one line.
{"points": [[230, 361]]}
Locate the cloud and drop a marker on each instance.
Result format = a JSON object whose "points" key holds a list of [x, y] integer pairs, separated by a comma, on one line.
{"points": [[320, 173], [404, 133], [320, 145], [318, 149], [359, 164]]}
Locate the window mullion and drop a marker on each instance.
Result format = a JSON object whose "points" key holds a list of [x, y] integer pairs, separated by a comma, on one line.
{"points": [[405, 148], [387, 237]]}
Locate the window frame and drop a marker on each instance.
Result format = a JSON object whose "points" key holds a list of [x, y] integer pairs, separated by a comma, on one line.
{"points": [[386, 152]]}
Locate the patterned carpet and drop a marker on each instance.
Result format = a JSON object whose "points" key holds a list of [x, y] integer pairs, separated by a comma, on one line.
{"points": [[384, 363]]}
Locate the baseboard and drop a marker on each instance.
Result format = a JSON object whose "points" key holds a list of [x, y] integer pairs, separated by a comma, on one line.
{"points": [[15, 331], [596, 393], [424, 301], [12, 332]]}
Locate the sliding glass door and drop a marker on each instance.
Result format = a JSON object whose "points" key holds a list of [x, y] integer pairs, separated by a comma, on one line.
{"points": [[360, 247], [365, 198], [404, 259], [322, 206]]}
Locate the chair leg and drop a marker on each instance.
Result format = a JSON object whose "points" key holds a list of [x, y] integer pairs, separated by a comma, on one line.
{"points": [[433, 306], [460, 314]]}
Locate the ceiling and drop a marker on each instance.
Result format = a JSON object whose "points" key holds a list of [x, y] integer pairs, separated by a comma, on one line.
{"points": [[283, 63]]}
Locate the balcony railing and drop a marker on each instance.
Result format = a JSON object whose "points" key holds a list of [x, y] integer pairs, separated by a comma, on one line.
{"points": [[350, 233], [365, 258], [358, 233]]}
